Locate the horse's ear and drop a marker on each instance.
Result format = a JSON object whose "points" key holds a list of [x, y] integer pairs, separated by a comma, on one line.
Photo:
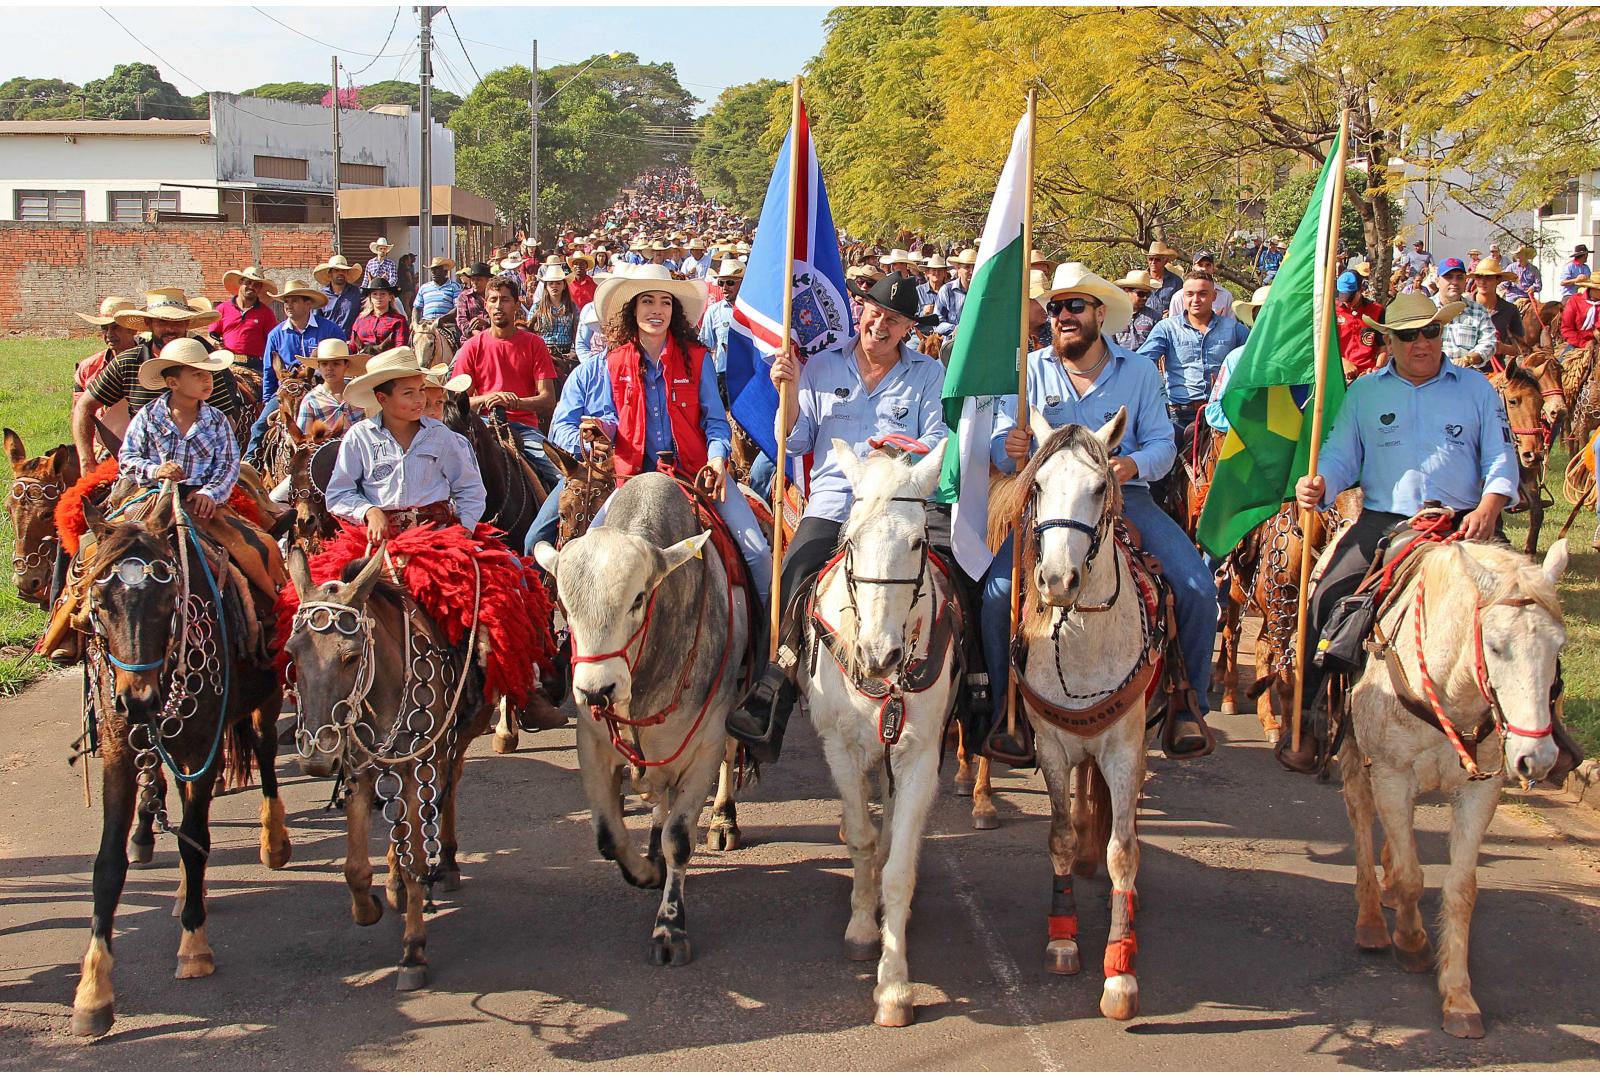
{"points": [[277, 366], [93, 517], [568, 465], [17, 452], [108, 438], [1483, 579], [1513, 369], [1555, 560], [546, 555], [300, 571], [1039, 426], [1111, 432], [292, 429], [925, 473], [849, 464], [684, 550], [361, 587]]}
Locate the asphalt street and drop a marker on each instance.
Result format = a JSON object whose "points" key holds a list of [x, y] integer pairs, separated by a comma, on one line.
{"points": [[1246, 955]]}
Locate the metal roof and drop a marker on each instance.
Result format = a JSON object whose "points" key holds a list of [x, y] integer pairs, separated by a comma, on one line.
{"points": [[105, 127]]}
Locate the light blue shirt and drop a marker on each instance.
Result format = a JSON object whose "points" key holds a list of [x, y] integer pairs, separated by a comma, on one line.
{"points": [[952, 298], [927, 294], [1216, 419], [588, 393], [1126, 381], [1570, 271], [836, 404], [287, 345], [435, 301], [1447, 440], [1190, 357], [714, 333], [372, 470], [589, 342]]}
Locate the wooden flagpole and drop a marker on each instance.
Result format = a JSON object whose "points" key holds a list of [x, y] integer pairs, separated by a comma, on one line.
{"points": [[788, 394], [1324, 333], [1022, 401]]}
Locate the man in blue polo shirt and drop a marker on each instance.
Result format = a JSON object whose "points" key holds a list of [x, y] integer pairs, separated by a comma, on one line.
{"points": [[1191, 347], [294, 337]]}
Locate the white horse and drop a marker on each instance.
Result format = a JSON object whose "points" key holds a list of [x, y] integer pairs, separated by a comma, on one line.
{"points": [[1090, 658], [885, 653], [1479, 627]]}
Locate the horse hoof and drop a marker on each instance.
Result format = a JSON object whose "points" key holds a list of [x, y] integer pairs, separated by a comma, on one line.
{"points": [[372, 914], [505, 743], [1061, 957], [863, 951], [1372, 938], [450, 881], [1386, 898], [672, 951], [964, 787], [411, 977], [985, 822], [721, 837], [276, 858], [1415, 961], [1463, 1025], [142, 854], [1230, 706], [197, 966], [894, 1014], [93, 1023], [1120, 999]]}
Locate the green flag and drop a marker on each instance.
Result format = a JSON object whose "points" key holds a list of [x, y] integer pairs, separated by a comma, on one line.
{"points": [[1267, 399]]}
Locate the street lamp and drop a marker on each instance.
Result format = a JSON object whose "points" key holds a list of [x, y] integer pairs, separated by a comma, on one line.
{"points": [[533, 152]]}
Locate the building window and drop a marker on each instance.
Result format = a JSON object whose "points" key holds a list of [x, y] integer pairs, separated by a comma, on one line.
{"points": [[136, 207], [280, 168], [351, 173], [1565, 203], [49, 206]]}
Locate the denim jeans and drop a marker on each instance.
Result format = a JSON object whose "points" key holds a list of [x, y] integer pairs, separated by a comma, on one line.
{"points": [[762, 471], [1194, 590], [258, 430], [547, 522]]}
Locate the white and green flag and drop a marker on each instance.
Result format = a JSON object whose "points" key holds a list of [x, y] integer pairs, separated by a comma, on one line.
{"points": [[983, 363]]}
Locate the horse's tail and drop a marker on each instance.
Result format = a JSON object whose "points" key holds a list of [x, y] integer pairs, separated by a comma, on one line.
{"points": [[238, 756], [1092, 816]]}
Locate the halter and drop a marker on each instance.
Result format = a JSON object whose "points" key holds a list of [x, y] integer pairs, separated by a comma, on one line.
{"points": [[1097, 534], [27, 491], [851, 579]]}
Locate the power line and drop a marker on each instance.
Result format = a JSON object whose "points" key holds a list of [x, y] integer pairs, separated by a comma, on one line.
{"points": [[319, 41], [460, 46], [164, 62], [392, 24]]}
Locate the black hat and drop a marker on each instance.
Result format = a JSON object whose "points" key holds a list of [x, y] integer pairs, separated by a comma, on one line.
{"points": [[478, 269], [898, 294], [379, 283], [1581, 249]]}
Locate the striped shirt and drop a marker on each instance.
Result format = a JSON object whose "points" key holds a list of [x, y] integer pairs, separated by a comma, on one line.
{"points": [[336, 414], [208, 453], [118, 381], [435, 301]]}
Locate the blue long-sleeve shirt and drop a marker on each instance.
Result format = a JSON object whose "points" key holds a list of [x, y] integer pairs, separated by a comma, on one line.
{"points": [[714, 333], [588, 393], [343, 310], [952, 298], [287, 344], [1192, 357], [1126, 380], [1447, 440], [590, 341]]}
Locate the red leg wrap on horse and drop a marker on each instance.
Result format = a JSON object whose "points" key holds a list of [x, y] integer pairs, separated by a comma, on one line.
{"points": [[1063, 926], [1120, 954]]}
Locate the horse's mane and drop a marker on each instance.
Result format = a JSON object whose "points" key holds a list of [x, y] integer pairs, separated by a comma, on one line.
{"points": [[1007, 498], [884, 475], [1442, 574]]}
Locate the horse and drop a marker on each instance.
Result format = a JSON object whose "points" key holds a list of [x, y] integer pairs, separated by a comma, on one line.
{"points": [[167, 690], [313, 525], [880, 705], [930, 344], [1477, 629], [1580, 382], [1088, 654], [1520, 390], [1539, 321], [396, 707], [283, 433], [36, 487], [635, 594], [247, 392], [514, 490], [432, 340]]}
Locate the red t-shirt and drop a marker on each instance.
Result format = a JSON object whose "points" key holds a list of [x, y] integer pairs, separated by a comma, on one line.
{"points": [[515, 364], [1359, 344]]}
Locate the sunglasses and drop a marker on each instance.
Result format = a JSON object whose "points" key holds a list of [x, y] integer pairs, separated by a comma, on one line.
{"points": [[1137, 294], [1075, 305], [1431, 331]]}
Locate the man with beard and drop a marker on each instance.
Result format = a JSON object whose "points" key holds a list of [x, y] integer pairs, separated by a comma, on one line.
{"points": [[167, 318], [1082, 377]]}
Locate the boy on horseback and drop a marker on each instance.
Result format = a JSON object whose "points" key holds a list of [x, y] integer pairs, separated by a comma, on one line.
{"points": [[178, 436]]}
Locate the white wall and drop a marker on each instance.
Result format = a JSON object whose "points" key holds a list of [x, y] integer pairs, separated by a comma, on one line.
{"points": [[100, 164], [1559, 235], [1450, 230]]}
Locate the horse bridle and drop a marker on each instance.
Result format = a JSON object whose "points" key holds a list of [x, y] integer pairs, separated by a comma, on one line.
{"points": [[27, 491], [1097, 534], [133, 571]]}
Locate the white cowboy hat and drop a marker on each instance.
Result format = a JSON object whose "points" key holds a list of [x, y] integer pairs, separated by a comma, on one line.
{"points": [[301, 287], [110, 307], [230, 280], [730, 268], [162, 304], [1247, 310], [182, 352], [935, 262], [617, 290], [552, 272], [1411, 310], [510, 264], [380, 246], [900, 255], [437, 378], [397, 363], [336, 349], [1038, 284], [1074, 277], [335, 264]]}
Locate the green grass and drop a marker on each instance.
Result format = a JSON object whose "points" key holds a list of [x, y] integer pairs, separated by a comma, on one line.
{"points": [[36, 403]]}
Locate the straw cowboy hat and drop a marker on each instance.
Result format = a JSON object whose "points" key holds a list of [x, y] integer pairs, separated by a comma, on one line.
{"points": [[1411, 310], [1490, 267], [578, 257], [741, 248], [730, 268], [935, 262], [336, 349], [1584, 281], [336, 264], [968, 257], [900, 255], [1526, 251], [639, 244], [862, 270], [380, 246], [1035, 257], [1038, 283], [697, 244], [230, 280], [109, 309], [1160, 250], [1074, 277], [161, 305], [616, 291], [439, 260], [1247, 310], [301, 287], [1136, 279], [203, 303], [436, 377], [660, 245], [183, 352], [400, 363]]}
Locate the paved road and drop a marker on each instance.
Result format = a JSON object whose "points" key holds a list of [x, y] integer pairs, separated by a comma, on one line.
{"points": [[1246, 959]]}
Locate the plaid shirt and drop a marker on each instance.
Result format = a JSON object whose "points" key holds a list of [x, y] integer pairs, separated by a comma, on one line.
{"points": [[469, 306], [1471, 332], [208, 454], [336, 415], [380, 267]]}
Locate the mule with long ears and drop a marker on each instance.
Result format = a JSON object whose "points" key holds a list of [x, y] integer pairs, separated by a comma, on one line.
{"points": [[883, 638], [37, 485], [168, 688], [658, 634], [1471, 639]]}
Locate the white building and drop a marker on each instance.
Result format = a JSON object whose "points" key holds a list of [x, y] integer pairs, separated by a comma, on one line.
{"points": [[1569, 219], [255, 160]]}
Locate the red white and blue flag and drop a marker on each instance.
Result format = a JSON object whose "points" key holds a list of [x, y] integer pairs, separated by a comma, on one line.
{"points": [[821, 318]]}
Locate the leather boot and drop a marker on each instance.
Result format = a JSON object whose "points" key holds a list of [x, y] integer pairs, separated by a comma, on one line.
{"points": [[1188, 737], [1313, 718], [542, 714], [760, 722]]}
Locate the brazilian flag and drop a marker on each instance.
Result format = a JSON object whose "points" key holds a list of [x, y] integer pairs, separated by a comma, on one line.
{"points": [[1268, 398]]}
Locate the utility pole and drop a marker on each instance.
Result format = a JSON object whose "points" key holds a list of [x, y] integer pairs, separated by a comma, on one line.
{"points": [[338, 156], [425, 173], [533, 163]]}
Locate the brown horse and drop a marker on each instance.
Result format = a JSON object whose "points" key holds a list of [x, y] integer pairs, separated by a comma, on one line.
{"points": [[167, 690], [36, 487], [930, 345], [435, 340], [1520, 388], [514, 490], [313, 525], [1539, 322], [277, 445]]}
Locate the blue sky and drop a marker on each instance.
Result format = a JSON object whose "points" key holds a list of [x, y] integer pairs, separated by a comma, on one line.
{"points": [[233, 48]]}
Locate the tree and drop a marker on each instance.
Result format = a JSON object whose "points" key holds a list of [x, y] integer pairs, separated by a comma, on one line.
{"points": [[736, 152], [394, 92], [23, 98], [135, 92], [303, 93], [1287, 206], [652, 91]]}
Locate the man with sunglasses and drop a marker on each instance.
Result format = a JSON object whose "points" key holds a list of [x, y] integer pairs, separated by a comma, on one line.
{"points": [[1083, 378], [1139, 287], [1416, 431]]}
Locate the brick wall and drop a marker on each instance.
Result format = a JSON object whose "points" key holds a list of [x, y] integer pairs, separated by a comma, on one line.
{"points": [[48, 271]]}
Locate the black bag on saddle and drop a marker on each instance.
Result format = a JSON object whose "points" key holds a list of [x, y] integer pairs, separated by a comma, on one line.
{"points": [[1342, 648]]}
